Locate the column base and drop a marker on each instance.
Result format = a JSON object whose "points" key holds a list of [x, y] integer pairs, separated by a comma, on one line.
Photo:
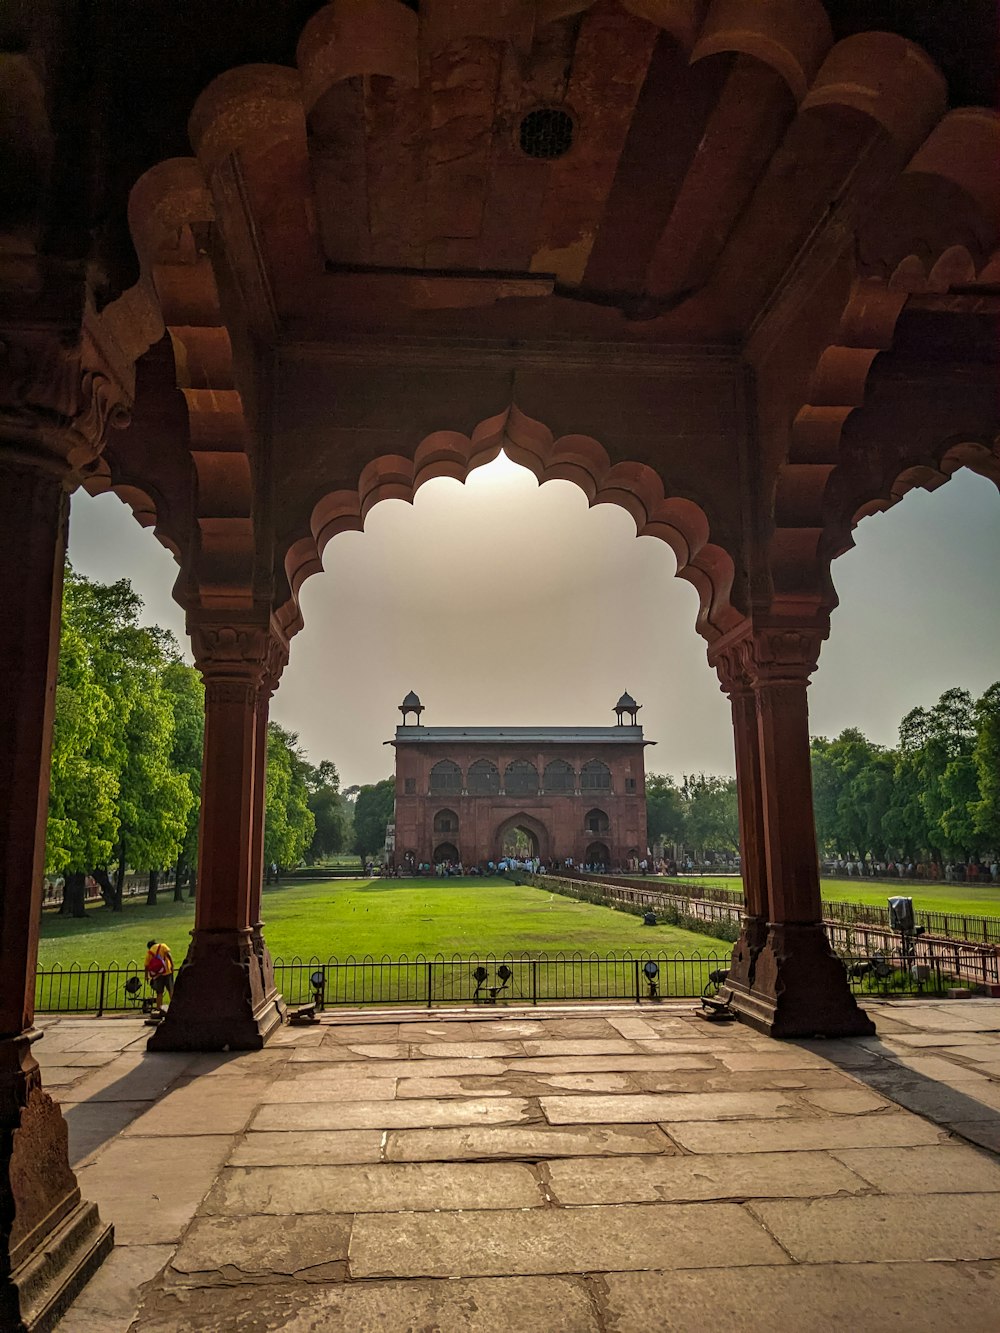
{"points": [[743, 964], [224, 997], [51, 1242], [799, 988]]}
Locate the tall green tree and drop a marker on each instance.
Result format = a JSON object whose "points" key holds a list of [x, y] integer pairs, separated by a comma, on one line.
{"points": [[373, 810], [664, 809], [289, 824], [329, 811], [986, 756], [711, 813], [186, 692]]}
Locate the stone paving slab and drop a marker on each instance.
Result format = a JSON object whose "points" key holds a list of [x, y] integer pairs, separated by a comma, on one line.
{"points": [[303, 1072], [224, 1249], [688, 1179], [109, 1300], [665, 1106], [307, 1148], [93, 1125], [151, 1188], [414, 1113], [330, 1090], [480, 1305], [888, 1130], [386, 1187], [885, 1229], [529, 1141], [864, 1298], [202, 1107], [625, 1063], [574, 1240], [944, 1169]]}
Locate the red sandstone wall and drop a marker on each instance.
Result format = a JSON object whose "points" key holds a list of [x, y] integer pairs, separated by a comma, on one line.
{"points": [[558, 819]]}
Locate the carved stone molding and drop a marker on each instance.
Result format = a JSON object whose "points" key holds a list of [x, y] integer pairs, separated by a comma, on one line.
{"points": [[55, 410], [240, 656], [767, 655]]}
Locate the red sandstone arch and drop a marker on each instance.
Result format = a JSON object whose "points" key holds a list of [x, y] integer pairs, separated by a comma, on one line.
{"points": [[936, 228], [681, 523], [530, 824]]}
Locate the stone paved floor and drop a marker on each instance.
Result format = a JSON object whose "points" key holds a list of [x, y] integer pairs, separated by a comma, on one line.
{"points": [[574, 1170]]}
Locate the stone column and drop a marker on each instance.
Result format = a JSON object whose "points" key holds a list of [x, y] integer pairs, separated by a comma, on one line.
{"points": [[260, 949], [731, 666], [221, 1000], [50, 1240], [799, 987]]}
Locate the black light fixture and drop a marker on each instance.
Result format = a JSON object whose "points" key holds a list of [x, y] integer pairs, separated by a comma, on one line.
{"points": [[652, 973]]}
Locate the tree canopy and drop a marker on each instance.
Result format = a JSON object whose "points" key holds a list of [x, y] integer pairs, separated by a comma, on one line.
{"points": [[935, 795], [701, 814], [373, 810]]}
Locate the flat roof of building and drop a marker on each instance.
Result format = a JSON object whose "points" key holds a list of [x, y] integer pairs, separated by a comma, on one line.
{"points": [[520, 736]]}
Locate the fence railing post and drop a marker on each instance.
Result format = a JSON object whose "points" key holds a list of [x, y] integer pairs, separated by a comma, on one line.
{"points": [[430, 984], [100, 993], [638, 984], [534, 981]]}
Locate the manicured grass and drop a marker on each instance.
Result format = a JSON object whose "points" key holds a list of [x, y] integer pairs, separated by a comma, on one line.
{"points": [[383, 918], [962, 899]]}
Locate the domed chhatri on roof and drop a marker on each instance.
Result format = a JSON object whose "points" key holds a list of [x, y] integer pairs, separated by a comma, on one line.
{"points": [[411, 704], [626, 704]]}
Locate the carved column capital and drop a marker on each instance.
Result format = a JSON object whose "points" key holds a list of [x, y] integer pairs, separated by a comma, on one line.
{"points": [[768, 654], [244, 654], [59, 396]]}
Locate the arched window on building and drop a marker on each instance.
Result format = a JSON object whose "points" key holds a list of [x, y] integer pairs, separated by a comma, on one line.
{"points": [[483, 778], [595, 776], [520, 778], [446, 821], [559, 776], [597, 822], [446, 776]]}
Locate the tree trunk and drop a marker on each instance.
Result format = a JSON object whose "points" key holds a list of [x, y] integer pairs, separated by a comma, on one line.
{"points": [[179, 883], [75, 895], [120, 877], [100, 874], [154, 880]]}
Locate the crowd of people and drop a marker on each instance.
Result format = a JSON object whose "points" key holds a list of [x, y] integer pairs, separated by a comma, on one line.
{"points": [[951, 872]]}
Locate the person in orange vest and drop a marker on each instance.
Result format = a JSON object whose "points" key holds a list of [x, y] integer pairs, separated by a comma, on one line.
{"points": [[159, 971]]}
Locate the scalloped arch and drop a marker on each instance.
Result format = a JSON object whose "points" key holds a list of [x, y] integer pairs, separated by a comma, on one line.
{"points": [[679, 522]]}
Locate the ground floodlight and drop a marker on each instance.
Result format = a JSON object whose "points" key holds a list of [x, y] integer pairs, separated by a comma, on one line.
{"points": [[652, 971], [504, 973], [901, 915], [480, 974], [132, 986], [317, 980]]}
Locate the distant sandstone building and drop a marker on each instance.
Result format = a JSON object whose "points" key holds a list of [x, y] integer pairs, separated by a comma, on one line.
{"points": [[472, 794]]}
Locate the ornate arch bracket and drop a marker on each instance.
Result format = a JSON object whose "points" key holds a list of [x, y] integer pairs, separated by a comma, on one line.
{"points": [[579, 459]]}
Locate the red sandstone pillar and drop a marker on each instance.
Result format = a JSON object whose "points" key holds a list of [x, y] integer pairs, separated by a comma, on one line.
{"points": [[736, 684], [798, 987], [50, 1240], [261, 951], [222, 998]]}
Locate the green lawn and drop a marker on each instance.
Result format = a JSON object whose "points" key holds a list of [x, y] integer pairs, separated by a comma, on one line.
{"points": [[382, 918], [963, 899]]}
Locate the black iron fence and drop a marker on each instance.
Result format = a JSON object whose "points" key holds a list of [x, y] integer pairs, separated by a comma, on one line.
{"points": [[951, 925], [506, 979]]}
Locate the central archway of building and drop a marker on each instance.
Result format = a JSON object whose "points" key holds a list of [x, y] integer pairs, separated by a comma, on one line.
{"points": [[522, 836], [445, 853], [597, 854]]}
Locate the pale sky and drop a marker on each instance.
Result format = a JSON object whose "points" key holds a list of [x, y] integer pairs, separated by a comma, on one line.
{"points": [[502, 602]]}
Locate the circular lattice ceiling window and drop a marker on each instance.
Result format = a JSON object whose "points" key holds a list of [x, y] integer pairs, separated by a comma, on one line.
{"points": [[546, 133]]}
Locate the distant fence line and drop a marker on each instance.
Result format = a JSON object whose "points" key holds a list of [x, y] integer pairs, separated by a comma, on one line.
{"points": [[136, 882], [951, 925], [967, 961]]}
